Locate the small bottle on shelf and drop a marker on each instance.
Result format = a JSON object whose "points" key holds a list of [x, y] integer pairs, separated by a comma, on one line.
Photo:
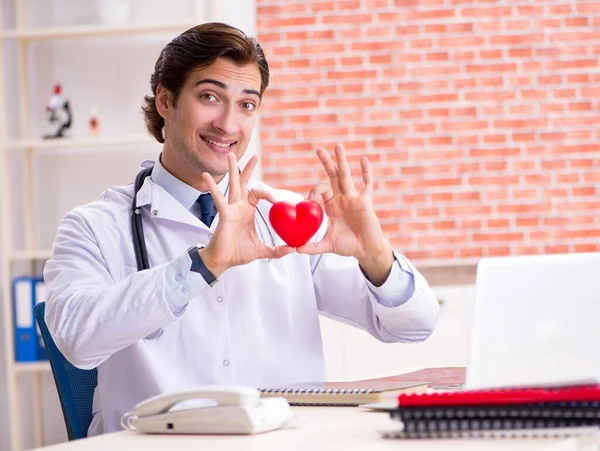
{"points": [[94, 122]]}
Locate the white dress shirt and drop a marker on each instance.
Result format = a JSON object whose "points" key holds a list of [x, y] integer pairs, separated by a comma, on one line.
{"points": [[165, 329]]}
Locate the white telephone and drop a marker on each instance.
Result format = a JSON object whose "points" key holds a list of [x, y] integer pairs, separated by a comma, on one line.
{"points": [[210, 410]]}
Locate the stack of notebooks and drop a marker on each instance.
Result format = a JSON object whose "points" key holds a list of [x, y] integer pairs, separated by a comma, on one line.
{"points": [[512, 412], [344, 393]]}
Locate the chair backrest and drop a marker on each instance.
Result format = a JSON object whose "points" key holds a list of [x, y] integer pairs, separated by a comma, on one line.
{"points": [[75, 386]]}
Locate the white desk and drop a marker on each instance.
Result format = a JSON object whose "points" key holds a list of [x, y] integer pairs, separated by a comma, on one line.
{"points": [[323, 428]]}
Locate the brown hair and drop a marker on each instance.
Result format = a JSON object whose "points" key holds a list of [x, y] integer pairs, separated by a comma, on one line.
{"points": [[196, 48]]}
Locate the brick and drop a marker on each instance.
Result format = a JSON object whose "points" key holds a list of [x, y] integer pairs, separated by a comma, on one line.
{"points": [[487, 27], [556, 249], [347, 19], [322, 6], [522, 194], [523, 208], [523, 137], [572, 64], [493, 180], [275, 24], [588, 247], [497, 237], [490, 96], [588, 8], [460, 42], [498, 223], [486, 12], [512, 25], [445, 239], [495, 68], [581, 106], [351, 75], [441, 182], [520, 53], [495, 166], [471, 252], [464, 125], [320, 49], [380, 59], [377, 4], [527, 250], [563, 9], [495, 153], [527, 222]]}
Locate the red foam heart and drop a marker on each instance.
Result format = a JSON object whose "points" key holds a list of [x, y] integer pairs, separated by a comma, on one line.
{"points": [[296, 224]]}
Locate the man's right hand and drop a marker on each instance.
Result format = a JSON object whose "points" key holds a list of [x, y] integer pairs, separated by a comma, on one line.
{"points": [[235, 241]]}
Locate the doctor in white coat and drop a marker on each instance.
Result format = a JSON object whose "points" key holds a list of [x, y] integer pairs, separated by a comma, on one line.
{"points": [[224, 301]]}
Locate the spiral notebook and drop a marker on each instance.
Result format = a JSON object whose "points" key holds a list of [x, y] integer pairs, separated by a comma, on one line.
{"points": [[343, 393], [500, 412]]}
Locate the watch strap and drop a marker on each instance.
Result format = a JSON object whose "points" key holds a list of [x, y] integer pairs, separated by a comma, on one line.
{"points": [[199, 266]]}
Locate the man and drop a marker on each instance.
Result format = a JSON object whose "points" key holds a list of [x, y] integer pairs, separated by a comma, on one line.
{"points": [[225, 301]]}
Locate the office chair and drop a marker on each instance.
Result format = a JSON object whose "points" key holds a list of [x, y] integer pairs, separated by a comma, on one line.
{"points": [[75, 386]]}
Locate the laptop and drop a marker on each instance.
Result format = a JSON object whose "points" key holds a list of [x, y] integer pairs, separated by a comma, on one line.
{"points": [[536, 321]]}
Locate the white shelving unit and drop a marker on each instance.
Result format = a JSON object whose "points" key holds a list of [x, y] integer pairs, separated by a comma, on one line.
{"points": [[28, 146]]}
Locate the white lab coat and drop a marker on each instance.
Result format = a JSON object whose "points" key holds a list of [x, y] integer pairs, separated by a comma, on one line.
{"points": [[258, 326]]}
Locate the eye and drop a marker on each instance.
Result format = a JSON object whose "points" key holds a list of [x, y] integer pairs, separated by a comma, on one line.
{"points": [[248, 106], [208, 97]]}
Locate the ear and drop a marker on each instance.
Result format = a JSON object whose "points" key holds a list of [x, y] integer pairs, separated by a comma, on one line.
{"points": [[162, 101]]}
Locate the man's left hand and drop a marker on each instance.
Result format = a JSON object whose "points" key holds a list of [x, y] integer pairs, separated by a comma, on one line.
{"points": [[353, 229]]}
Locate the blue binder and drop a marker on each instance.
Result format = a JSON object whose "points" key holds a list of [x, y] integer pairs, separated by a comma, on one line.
{"points": [[24, 323], [40, 296]]}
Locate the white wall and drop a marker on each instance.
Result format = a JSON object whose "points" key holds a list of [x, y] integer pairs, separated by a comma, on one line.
{"points": [[113, 75], [352, 354]]}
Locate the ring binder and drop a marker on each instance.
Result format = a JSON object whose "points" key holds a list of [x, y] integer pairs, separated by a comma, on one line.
{"points": [[460, 414]]}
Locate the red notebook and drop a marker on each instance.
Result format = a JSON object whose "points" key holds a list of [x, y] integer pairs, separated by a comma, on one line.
{"points": [[501, 396]]}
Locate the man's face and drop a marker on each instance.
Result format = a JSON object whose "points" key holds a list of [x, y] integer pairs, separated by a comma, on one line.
{"points": [[214, 115]]}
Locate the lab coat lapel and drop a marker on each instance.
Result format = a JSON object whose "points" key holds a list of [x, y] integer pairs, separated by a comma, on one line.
{"points": [[166, 207], [162, 205]]}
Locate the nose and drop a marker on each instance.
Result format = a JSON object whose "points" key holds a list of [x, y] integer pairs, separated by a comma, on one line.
{"points": [[225, 122]]}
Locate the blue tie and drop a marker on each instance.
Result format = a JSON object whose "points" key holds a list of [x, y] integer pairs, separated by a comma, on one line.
{"points": [[208, 211]]}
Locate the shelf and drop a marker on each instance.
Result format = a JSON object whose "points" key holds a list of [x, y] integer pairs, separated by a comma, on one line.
{"points": [[65, 143], [42, 254], [95, 30], [32, 367]]}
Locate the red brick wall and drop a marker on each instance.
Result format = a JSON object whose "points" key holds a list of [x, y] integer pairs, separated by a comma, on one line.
{"points": [[481, 118]]}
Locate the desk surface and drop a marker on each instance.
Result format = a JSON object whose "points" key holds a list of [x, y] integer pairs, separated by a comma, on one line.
{"points": [[323, 428]]}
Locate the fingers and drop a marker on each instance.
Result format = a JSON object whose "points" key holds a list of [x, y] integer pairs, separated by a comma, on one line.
{"points": [[277, 251], [367, 176], [320, 247], [235, 192], [245, 176], [339, 173], [257, 194], [321, 193], [218, 198], [330, 168], [346, 183]]}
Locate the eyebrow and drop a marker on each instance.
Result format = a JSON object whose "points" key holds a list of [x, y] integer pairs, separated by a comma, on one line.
{"points": [[222, 85]]}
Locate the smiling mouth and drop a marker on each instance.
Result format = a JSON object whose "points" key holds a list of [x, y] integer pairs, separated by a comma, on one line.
{"points": [[217, 144]]}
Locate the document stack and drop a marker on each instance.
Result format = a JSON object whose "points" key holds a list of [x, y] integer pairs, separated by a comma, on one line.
{"points": [[497, 413]]}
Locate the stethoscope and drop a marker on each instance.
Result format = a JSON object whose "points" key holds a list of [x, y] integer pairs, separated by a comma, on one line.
{"points": [[139, 244]]}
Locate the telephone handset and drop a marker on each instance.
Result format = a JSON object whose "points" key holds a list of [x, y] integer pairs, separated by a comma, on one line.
{"points": [[210, 410]]}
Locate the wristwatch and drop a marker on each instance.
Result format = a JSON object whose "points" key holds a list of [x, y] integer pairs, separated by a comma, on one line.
{"points": [[199, 266]]}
